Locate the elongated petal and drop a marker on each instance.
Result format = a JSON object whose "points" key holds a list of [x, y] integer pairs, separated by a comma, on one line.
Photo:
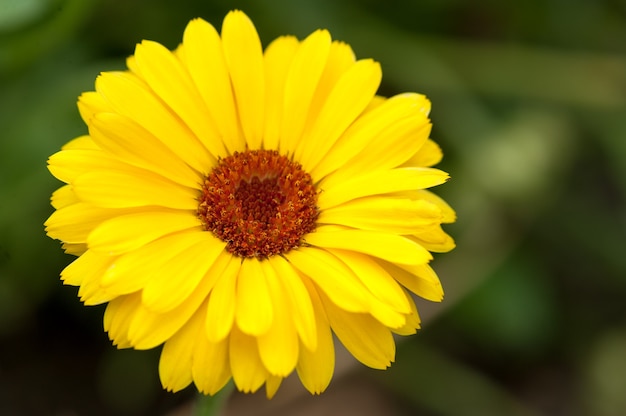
{"points": [[375, 278], [271, 385], [373, 213], [332, 276], [129, 188], [367, 339], [220, 313], [299, 301], [171, 82], [420, 279], [435, 239], [277, 61], [129, 232], [69, 164], [348, 99], [315, 367], [248, 371], [91, 103], [389, 149], [372, 123], [390, 247], [131, 143], [121, 276], [149, 329], [128, 96], [254, 313], [412, 323], [278, 347], [63, 197], [429, 155], [380, 182], [244, 56], [210, 366], [304, 73], [72, 224], [340, 59], [175, 279], [175, 365], [205, 61], [81, 269], [118, 316], [448, 214]]}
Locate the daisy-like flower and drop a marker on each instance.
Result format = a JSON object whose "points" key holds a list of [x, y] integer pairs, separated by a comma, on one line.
{"points": [[240, 206]]}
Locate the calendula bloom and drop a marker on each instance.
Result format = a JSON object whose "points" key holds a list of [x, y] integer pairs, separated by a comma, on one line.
{"points": [[239, 206]]}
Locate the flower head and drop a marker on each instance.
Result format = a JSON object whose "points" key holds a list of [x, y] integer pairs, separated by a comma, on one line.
{"points": [[239, 206]]}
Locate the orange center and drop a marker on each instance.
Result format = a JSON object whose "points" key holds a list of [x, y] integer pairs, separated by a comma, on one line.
{"points": [[259, 202]]}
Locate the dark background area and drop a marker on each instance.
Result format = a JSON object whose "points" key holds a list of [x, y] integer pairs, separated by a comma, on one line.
{"points": [[529, 106]]}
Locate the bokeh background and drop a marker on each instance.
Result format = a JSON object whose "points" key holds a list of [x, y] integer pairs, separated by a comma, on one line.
{"points": [[529, 105]]}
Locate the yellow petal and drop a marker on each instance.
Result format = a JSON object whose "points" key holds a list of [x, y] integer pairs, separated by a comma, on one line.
{"points": [[74, 249], [148, 329], [220, 313], [447, 213], [92, 266], [91, 103], [429, 154], [210, 365], [254, 314], [63, 197], [84, 142], [435, 239], [372, 213], [133, 188], [379, 182], [130, 97], [347, 100], [122, 276], [375, 278], [72, 224], [277, 60], [332, 276], [371, 124], [367, 339], [390, 149], [205, 61], [175, 365], [91, 293], [68, 164], [271, 385], [315, 367], [278, 347], [244, 56], [170, 81], [248, 371], [300, 85], [117, 318], [420, 279], [299, 301], [129, 232], [83, 268], [178, 276], [412, 323], [132, 144], [340, 59], [390, 247]]}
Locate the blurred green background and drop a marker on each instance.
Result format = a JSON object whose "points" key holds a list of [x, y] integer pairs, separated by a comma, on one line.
{"points": [[529, 105]]}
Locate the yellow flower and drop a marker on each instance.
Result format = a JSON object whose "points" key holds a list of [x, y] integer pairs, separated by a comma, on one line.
{"points": [[239, 206]]}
